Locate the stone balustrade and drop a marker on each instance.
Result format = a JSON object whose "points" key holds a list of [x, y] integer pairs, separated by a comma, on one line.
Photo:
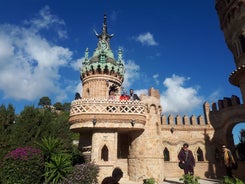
{"points": [[100, 106]]}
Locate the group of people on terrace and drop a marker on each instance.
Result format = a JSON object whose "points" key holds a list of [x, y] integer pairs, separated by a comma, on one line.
{"points": [[124, 96]]}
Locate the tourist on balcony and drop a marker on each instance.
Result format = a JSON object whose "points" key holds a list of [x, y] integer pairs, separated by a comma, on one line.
{"points": [[112, 92], [117, 174], [132, 95], [124, 96], [186, 157], [77, 96], [112, 95]]}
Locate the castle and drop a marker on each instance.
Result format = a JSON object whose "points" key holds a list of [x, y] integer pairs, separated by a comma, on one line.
{"points": [[135, 135]]}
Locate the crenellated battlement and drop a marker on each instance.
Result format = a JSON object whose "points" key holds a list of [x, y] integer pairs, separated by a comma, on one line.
{"points": [[225, 103], [184, 120]]}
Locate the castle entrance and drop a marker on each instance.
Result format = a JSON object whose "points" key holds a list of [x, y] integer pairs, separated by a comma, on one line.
{"points": [[123, 145]]}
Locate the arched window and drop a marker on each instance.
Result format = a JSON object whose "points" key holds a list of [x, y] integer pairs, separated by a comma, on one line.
{"points": [[199, 155], [104, 153], [166, 154]]}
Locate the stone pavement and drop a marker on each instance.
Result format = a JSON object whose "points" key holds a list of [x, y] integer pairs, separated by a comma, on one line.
{"points": [[176, 181]]}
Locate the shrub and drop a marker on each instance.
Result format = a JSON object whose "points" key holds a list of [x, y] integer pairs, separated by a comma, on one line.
{"points": [[57, 168], [83, 174], [23, 165], [149, 181], [229, 180], [190, 179]]}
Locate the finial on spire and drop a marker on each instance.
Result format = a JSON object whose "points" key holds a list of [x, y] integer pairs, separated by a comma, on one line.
{"points": [[104, 35], [105, 25]]}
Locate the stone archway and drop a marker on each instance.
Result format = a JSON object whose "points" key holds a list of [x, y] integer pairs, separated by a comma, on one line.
{"points": [[223, 122]]}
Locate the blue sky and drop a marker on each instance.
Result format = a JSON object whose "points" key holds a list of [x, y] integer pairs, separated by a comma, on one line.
{"points": [[175, 47]]}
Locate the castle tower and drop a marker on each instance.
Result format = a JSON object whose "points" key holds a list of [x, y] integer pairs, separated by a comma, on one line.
{"points": [[232, 21], [102, 73], [108, 127]]}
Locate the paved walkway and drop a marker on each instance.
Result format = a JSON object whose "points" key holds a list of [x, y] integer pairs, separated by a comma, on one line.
{"points": [[176, 181], [201, 181]]}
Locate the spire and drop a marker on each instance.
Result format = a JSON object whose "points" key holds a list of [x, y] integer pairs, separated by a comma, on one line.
{"points": [[105, 25], [104, 35]]}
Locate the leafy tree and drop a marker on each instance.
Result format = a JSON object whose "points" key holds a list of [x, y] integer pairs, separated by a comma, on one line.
{"points": [[7, 119], [67, 107], [45, 102], [241, 146], [28, 127], [33, 124], [58, 106], [7, 116]]}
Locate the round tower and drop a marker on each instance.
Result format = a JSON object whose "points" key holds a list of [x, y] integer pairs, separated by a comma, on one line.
{"points": [[232, 21], [102, 74]]}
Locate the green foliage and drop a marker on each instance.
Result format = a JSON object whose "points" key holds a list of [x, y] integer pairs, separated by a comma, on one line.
{"points": [[229, 180], [23, 165], [67, 107], [49, 147], [83, 174], [7, 119], [190, 179], [149, 181], [44, 101], [33, 123], [58, 106], [77, 158], [57, 168], [241, 146]]}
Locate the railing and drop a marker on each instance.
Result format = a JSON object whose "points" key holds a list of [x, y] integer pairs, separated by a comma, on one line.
{"points": [[84, 106]]}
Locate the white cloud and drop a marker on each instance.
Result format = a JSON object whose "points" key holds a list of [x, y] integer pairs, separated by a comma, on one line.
{"points": [[77, 65], [29, 63], [155, 77], [131, 73], [214, 96], [141, 91], [45, 19], [147, 39], [178, 99]]}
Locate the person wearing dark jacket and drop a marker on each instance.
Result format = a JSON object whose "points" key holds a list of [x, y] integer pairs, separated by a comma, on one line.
{"points": [[186, 157], [132, 95], [117, 174]]}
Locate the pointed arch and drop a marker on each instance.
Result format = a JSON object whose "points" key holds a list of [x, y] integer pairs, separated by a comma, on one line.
{"points": [[200, 154], [166, 154], [104, 153]]}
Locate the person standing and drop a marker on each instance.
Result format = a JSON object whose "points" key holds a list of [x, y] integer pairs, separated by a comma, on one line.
{"points": [[228, 160], [186, 157], [132, 95], [117, 174], [124, 96]]}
